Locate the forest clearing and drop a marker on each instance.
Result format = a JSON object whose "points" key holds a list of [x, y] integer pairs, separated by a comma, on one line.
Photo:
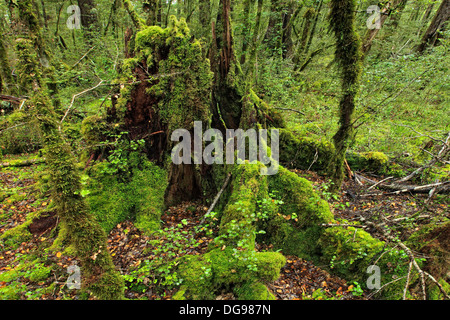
{"points": [[224, 150]]}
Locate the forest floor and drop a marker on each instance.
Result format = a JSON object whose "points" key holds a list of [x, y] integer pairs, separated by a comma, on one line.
{"points": [[135, 254]]}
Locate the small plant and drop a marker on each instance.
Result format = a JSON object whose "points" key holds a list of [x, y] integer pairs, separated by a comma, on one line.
{"points": [[356, 289]]}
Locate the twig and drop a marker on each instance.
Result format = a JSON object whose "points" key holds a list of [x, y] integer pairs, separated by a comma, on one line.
{"points": [[380, 182], [84, 56], [293, 110], [76, 96], [407, 280], [211, 208]]}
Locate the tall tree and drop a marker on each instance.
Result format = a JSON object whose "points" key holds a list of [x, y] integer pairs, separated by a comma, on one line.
{"points": [[348, 56], [438, 24]]}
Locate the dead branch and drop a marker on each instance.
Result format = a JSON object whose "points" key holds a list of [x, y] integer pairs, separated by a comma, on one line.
{"points": [[211, 208], [76, 96], [396, 188], [25, 163], [413, 261]]}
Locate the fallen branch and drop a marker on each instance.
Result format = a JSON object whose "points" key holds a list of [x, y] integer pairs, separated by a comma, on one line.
{"points": [[76, 96], [211, 208], [25, 163], [442, 187]]}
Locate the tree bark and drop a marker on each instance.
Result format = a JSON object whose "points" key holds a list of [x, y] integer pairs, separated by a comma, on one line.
{"points": [[7, 85], [438, 23]]}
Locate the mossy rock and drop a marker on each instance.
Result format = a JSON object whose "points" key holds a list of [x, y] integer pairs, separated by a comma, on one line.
{"points": [[253, 290]]}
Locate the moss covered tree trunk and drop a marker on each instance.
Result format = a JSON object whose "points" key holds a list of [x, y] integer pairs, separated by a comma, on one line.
{"points": [[348, 55], [77, 225]]}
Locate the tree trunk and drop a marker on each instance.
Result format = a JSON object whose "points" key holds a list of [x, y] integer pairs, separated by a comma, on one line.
{"points": [[152, 9], [308, 18], [205, 18], [226, 98], [438, 23], [80, 227], [348, 56], [252, 61], [89, 19], [246, 30], [288, 21]]}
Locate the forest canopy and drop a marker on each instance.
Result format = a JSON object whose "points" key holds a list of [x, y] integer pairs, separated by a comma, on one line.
{"points": [[224, 150]]}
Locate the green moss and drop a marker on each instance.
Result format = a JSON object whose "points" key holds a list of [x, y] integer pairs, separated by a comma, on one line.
{"points": [[304, 152], [376, 162], [39, 273], [253, 290], [113, 200], [93, 129], [349, 250], [180, 79], [15, 236], [296, 236], [434, 293], [204, 275]]}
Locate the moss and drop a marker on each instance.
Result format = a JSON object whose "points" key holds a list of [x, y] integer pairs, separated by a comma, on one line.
{"points": [[177, 80], [15, 236], [296, 236], [376, 162], [433, 240], [434, 293], [92, 129], [254, 107], [113, 200], [253, 290], [204, 275], [349, 250], [39, 273], [304, 152]]}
